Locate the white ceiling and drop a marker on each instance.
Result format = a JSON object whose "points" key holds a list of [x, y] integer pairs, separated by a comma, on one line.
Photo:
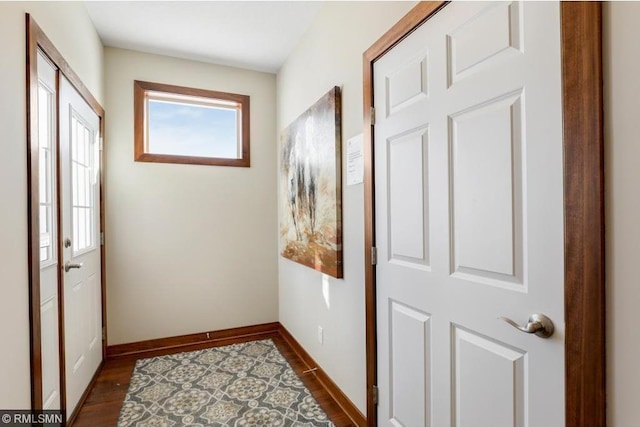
{"points": [[257, 35]]}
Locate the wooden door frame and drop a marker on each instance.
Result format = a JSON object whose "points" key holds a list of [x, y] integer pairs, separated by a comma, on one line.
{"points": [[37, 40], [581, 38]]}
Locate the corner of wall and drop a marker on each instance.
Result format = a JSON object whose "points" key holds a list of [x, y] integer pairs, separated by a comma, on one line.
{"points": [[204, 253], [330, 54]]}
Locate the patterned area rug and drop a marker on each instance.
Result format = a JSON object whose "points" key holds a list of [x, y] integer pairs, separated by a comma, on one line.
{"points": [[240, 385]]}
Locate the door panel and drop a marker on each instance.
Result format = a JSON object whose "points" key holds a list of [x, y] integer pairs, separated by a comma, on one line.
{"points": [[503, 371], [407, 85], [410, 367], [80, 198], [408, 214], [486, 168], [49, 336], [491, 36], [469, 218], [50, 360]]}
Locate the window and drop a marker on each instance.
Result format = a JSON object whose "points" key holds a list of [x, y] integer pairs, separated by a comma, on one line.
{"points": [[176, 124], [46, 132], [84, 157]]}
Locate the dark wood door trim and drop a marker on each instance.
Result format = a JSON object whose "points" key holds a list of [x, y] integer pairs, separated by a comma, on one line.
{"points": [[584, 297], [585, 384], [37, 39], [33, 215]]}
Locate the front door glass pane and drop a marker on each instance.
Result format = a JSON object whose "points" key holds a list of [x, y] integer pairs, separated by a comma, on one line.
{"points": [[82, 184], [46, 172]]}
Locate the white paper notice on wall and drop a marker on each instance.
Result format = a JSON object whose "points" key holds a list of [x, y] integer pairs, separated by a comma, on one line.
{"points": [[355, 160]]}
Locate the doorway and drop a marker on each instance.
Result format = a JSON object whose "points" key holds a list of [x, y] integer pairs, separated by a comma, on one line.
{"points": [[66, 257], [442, 259]]}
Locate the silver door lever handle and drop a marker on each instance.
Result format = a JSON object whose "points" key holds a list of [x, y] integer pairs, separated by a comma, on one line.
{"points": [[68, 266], [539, 324]]}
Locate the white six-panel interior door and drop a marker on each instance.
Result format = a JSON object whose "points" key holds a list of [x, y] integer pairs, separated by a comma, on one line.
{"points": [[469, 219]]}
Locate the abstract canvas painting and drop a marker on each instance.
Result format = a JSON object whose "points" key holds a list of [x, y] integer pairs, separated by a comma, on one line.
{"points": [[310, 187]]}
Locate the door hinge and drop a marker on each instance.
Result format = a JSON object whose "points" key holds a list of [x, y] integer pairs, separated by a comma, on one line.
{"points": [[102, 238], [101, 144], [372, 114], [374, 255], [104, 333], [374, 394]]}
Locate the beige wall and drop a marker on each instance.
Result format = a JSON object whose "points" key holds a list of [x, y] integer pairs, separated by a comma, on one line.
{"points": [[330, 54], [622, 156], [190, 248], [70, 29]]}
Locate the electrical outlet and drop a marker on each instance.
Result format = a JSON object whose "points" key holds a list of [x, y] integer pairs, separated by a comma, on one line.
{"points": [[320, 335]]}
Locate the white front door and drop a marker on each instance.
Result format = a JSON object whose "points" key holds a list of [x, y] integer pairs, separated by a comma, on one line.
{"points": [[80, 202], [469, 219]]}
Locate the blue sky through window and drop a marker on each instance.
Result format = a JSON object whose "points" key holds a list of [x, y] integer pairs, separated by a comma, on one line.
{"points": [[192, 130]]}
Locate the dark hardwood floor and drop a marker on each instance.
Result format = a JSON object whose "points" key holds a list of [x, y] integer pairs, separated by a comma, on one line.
{"points": [[102, 406]]}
